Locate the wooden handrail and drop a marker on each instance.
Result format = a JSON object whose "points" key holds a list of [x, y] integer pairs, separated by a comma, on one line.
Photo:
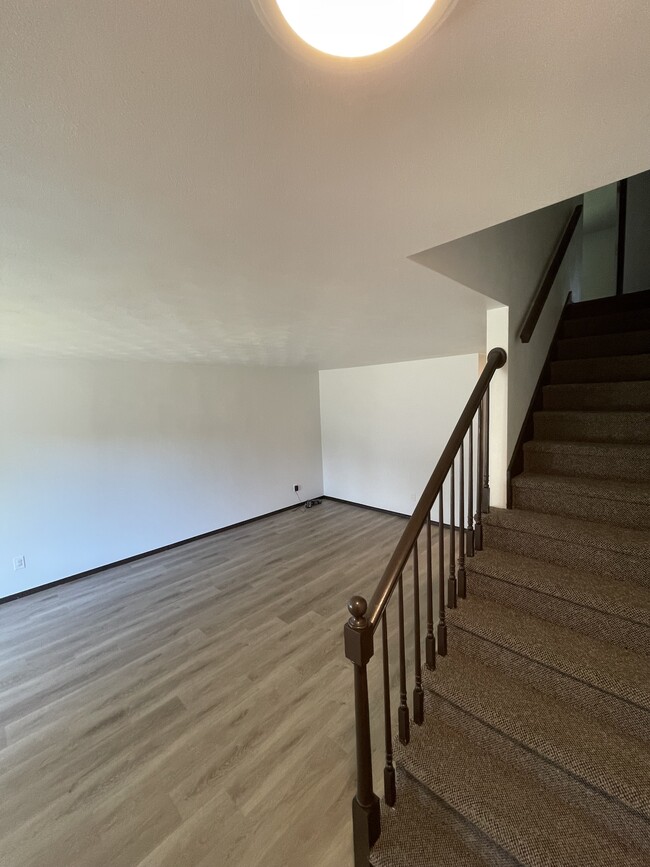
{"points": [[380, 598], [541, 296]]}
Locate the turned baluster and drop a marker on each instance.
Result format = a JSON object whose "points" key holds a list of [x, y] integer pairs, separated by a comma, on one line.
{"points": [[390, 791], [418, 692]]}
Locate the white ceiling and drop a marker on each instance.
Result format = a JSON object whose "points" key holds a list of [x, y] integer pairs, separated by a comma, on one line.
{"points": [[175, 184]]}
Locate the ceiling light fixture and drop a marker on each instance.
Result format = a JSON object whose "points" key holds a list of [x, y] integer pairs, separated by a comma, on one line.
{"points": [[359, 28]]}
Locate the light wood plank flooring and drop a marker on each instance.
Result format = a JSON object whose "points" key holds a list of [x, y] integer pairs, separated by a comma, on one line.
{"points": [[193, 708]]}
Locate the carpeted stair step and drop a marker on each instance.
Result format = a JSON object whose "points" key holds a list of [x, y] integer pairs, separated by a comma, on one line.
{"points": [[595, 427], [604, 345], [423, 831], [626, 504], [615, 322], [615, 611], [601, 758], [628, 463], [610, 683], [622, 368], [587, 546], [511, 806], [598, 396], [610, 305]]}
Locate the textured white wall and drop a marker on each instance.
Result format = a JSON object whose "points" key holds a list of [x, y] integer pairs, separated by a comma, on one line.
{"points": [[506, 263], [104, 460], [384, 427]]}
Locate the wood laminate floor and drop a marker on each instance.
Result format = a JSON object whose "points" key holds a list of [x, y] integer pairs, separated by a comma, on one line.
{"points": [[193, 708]]}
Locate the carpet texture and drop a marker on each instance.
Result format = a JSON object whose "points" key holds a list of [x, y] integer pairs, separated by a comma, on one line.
{"points": [[535, 749]]}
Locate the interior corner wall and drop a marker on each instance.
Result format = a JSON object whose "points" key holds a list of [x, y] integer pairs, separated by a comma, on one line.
{"points": [[385, 426], [506, 263], [599, 263], [498, 336], [101, 461], [637, 248]]}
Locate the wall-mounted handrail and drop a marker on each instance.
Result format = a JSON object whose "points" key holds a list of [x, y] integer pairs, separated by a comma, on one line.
{"points": [[541, 296], [496, 359]]}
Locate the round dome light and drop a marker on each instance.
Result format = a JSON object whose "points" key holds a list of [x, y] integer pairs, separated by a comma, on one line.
{"points": [[355, 28]]}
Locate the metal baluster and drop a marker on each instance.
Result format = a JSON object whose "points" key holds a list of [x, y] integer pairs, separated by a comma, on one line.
{"points": [[442, 626], [430, 643], [470, 493], [366, 816], [486, 455], [390, 791], [462, 578], [403, 711], [478, 527], [451, 582], [418, 692]]}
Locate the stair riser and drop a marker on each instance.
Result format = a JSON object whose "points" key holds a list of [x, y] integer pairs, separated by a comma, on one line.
{"points": [[623, 468], [598, 625], [630, 320], [622, 369], [610, 396], [622, 715], [593, 427], [634, 515], [584, 557], [603, 345]]}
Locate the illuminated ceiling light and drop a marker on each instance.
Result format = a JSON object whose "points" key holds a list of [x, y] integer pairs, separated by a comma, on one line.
{"points": [[358, 28]]}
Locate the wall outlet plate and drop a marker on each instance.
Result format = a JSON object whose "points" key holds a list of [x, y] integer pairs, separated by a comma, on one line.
{"points": [[19, 562]]}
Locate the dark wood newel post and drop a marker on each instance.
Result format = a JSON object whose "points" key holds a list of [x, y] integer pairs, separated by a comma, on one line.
{"points": [[359, 649]]}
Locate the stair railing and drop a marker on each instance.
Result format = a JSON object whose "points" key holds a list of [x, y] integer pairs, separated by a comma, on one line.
{"points": [[366, 617]]}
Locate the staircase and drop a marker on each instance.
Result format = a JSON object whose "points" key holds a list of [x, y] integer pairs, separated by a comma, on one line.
{"points": [[535, 749]]}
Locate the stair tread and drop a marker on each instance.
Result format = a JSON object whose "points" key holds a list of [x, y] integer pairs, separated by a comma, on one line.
{"points": [[423, 830], [601, 368], [625, 395], [620, 540], [625, 492], [597, 306], [580, 447], [615, 321], [619, 598], [515, 809], [581, 459], [599, 345], [590, 750], [621, 673], [621, 426]]}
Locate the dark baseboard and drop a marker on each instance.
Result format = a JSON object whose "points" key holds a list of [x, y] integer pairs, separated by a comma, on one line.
{"points": [[376, 509], [98, 569], [365, 506]]}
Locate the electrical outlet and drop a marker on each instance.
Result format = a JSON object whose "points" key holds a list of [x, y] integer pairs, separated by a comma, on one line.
{"points": [[19, 562], [296, 488]]}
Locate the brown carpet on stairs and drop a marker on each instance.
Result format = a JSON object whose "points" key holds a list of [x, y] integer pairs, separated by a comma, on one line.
{"points": [[535, 749]]}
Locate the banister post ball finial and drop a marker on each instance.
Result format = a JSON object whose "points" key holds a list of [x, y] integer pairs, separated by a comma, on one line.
{"points": [[499, 355], [357, 606]]}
